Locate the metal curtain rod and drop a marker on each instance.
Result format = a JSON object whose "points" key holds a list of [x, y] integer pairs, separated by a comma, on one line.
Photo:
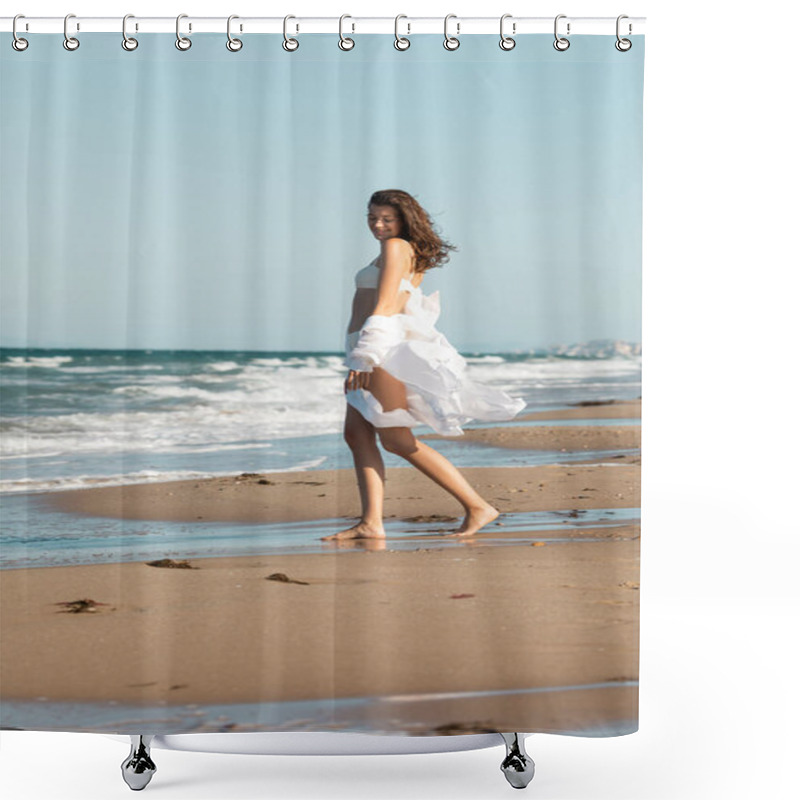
{"points": [[299, 25]]}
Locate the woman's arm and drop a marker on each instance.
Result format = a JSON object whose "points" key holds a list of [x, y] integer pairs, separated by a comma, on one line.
{"points": [[379, 332], [396, 253]]}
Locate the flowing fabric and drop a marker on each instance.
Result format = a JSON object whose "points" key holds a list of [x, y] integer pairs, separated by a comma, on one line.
{"points": [[439, 392]]}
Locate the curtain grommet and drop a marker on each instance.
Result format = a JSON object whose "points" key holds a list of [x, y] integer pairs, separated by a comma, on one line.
{"points": [[561, 43], [289, 44], [70, 42], [182, 42], [345, 42], [129, 43], [623, 45], [233, 44], [17, 42], [507, 42], [400, 42], [451, 42]]}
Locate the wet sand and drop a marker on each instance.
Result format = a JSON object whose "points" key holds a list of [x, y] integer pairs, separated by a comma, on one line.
{"points": [[565, 438]]}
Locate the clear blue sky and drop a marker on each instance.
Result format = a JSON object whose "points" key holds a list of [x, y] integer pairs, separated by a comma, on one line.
{"points": [[209, 200]]}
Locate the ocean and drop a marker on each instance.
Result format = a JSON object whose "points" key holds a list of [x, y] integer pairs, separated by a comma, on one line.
{"points": [[76, 418]]}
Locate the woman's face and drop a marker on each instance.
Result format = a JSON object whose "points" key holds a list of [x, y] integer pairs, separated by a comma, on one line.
{"points": [[384, 222]]}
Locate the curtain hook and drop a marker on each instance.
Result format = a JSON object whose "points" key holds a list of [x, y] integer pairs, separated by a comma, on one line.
{"points": [[507, 42], [623, 45], [561, 43], [346, 43], [234, 45], [18, 43], [128, 42], [182, 42], [451, 42], [288, 43], [400, 42], [70, 42]]}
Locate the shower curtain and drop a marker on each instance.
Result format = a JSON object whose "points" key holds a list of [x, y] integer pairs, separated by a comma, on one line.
{"points": [[321, 385]]}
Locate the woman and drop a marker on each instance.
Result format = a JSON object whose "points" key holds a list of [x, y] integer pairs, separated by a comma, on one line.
{"points": [[403, 372]]}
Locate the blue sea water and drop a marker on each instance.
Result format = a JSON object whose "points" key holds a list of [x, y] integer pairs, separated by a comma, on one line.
{"points": [[78, 418]]}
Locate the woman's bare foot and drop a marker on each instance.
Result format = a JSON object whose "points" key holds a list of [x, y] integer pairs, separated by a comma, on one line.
{"points": [[360, 531], [475, 519]]}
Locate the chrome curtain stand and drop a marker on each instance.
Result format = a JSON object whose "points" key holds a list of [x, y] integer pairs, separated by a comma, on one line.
{"points": [[138, 768]]}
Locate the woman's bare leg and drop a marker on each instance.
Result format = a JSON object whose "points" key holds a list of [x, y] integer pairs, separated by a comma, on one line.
{"points": [[392, 394], [402, 442], [371, 475]]}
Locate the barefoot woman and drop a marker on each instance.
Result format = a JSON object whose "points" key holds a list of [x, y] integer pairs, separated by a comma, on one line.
{"points": [[403, 372]]}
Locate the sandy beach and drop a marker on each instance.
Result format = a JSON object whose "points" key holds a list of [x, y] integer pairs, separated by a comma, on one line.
{"points": [[362, 619]]}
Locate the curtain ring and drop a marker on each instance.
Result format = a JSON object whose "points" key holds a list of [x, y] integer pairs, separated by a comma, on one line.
{"points": [[128, 42], [345, 42], [70, 42], [18, 43], [623, 45], [561, 43], [181, 42], [400, 42], [507, 42], [289, 44], [451, 42], [234, 45]]}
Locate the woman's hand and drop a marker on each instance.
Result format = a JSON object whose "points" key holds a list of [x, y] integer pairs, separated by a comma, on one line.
{"points": [[356, 380]]}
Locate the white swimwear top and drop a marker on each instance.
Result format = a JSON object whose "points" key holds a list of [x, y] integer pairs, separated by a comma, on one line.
{"points": [[368, 277], [408, 346]]}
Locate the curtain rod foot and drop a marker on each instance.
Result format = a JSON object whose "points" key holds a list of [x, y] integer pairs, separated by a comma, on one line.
{"points": [[517, 766], [138, 768]]}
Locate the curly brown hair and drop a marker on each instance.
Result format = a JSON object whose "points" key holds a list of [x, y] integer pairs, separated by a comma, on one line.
{"points": [[418, 229]]}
